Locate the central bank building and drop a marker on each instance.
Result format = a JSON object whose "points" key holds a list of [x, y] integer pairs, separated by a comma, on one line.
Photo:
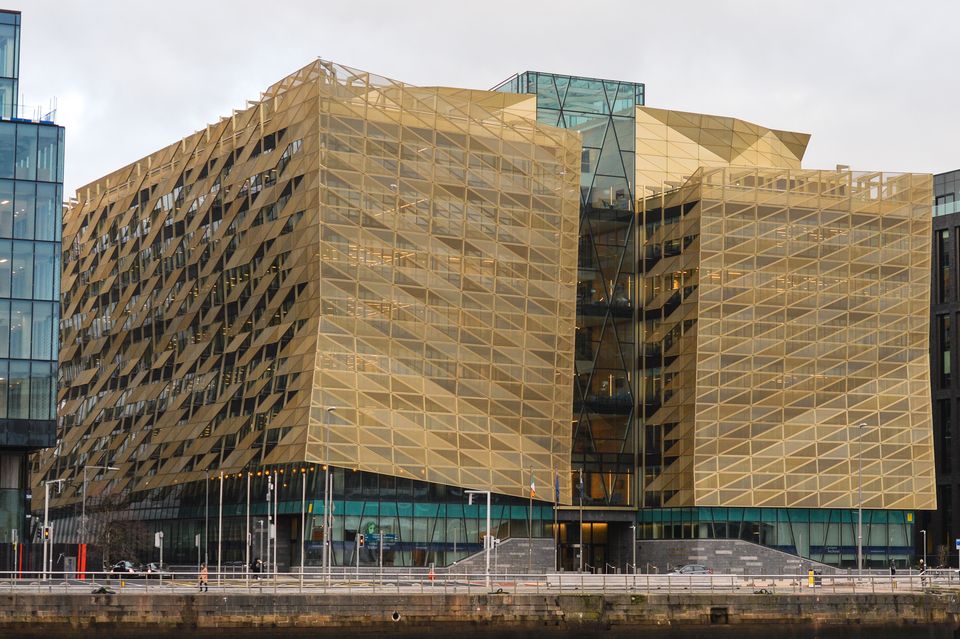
{"points": [[621, 321]]}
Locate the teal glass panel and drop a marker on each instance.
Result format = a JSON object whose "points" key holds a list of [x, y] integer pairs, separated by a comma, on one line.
{"points": [[547, 93], [8, 149], [26, 167], [22, 271], [42, 387], [586, 96], [9, 46], [47, 153], [6, 208], [4, 331], [60, 150], [425, 510], [18, 391], [42, 331], [24, 209], [8, 97], [47, 211]]}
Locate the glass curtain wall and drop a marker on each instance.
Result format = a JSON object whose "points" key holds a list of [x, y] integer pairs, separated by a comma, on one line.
{"points": [[9, 63], [31, 172], [31, 196], [604, 112]]}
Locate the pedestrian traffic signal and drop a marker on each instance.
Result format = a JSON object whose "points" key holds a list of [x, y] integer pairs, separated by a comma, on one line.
{"points": [[46, 532], [360, 540]]}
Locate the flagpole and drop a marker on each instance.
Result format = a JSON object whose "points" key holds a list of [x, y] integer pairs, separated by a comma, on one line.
{"points": [[530, 526], [556, 532], [580, 472]]}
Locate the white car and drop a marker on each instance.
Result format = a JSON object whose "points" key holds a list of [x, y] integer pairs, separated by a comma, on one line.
{"points": [[691, 569]]}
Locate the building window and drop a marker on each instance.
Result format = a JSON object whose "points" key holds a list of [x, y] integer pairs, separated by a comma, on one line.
{"points": [[946, 438], [943, 330], [943, 265]]}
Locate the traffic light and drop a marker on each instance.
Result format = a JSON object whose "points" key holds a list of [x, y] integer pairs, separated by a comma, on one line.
{"points": [[360, 540], [46, 533]]}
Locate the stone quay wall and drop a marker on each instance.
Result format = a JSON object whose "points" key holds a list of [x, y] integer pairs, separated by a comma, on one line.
{"points": [[213, 613]]}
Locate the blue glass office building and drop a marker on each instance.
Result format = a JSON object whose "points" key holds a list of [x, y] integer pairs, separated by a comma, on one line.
{"points": [[31, 196]]}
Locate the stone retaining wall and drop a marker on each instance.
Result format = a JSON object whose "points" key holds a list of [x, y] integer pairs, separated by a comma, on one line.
{"points": [[82, 614], [724, 556]]}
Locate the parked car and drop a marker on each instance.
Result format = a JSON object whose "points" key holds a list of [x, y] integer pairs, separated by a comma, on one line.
{"points": [[125, 567], [691, 569], [154, 569]]}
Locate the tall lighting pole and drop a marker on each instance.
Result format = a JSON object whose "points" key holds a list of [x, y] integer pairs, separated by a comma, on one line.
{"points": [[83, 500], [580, 475], [47, 538], [220, 530], [327, 492], [860, 428], [303, 520], [924, 533], [487, 540]]}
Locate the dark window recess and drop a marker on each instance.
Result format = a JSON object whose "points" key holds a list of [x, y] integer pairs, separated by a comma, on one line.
{"points": [[943, 330], [944, 279], [946, 437]]}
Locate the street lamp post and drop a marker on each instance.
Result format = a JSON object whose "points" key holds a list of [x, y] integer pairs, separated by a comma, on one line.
{"points": [[47, 555], [633, 539], [580, 475], [327, 492], [924, 533], [206, 518], [83, 500], [487, 541], [303, 521], [220, 530], [860, 427], [246, 545]]}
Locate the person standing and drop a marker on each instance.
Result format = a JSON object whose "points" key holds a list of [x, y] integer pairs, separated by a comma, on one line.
{"points": [[257, 567], [204, 578]]}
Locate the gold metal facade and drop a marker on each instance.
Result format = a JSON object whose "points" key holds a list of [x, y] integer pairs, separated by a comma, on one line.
{"points": [[673, 145], [800, 302], [407, 255]]}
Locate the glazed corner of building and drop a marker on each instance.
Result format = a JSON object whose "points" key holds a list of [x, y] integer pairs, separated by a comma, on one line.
{"points": [[706, 168]]}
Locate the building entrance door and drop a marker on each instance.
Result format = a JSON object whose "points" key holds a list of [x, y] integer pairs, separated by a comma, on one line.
{"points": [[594, 546]]}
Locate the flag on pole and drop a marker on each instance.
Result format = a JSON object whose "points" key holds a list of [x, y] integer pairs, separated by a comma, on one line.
{"points": [[580, 473], [556, 487], [533, 487]]}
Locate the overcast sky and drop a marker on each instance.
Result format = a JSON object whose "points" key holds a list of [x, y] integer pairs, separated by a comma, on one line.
{"points": [[875, 82]]}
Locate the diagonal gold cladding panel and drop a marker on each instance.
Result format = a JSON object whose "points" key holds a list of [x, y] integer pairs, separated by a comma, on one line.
{"points": [[405, 254]]}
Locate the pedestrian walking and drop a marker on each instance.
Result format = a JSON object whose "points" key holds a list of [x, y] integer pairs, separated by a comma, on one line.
{"points": [[923, 573], [257, 567], [204, 578]]}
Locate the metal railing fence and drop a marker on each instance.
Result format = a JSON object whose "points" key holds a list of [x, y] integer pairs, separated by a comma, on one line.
{"points": [[375, 580]]}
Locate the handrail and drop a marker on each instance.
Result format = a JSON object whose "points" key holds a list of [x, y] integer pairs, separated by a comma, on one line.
{"points": [[371, 580]]}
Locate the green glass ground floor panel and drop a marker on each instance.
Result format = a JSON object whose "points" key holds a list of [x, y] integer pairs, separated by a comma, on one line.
{"points": [[419, 523]]}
